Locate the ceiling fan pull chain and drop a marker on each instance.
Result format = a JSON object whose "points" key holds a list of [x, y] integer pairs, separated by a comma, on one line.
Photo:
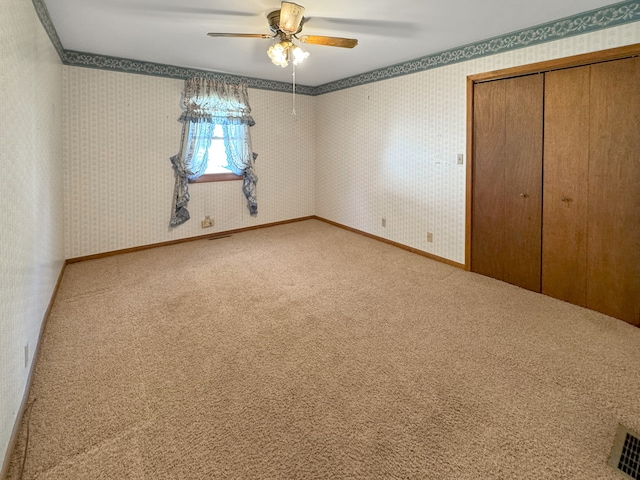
{"points": [[294, 90]]}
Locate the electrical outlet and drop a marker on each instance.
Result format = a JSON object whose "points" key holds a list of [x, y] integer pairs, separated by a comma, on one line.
{"points": [[460, 159], [207, 222], [384, 222], [429, 237], [26, 355]]}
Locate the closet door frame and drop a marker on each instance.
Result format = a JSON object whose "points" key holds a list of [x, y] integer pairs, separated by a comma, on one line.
{"points": [[540, 67]]}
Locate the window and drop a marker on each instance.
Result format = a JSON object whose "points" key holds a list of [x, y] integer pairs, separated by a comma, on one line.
{"points": [[217, 166], [207, 102]]}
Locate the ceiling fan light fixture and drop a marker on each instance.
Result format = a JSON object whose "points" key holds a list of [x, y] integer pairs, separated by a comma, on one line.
{"points": [[290, 17], [278, 53], [284, 52], [298, 55]]}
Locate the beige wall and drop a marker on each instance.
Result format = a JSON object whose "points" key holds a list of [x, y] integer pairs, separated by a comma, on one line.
{"points": [[31, 216], [388, 149], [120, 131], [381, 150]]}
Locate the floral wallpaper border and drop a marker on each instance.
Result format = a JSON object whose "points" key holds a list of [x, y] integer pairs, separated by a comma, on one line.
{"points": [[104, 62], [598, 19], [611, 16], [45, 19]]}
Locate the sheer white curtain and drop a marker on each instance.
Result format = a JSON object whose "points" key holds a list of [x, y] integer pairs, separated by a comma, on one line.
{"points": [[241, 159], [189, 164], [206, 103]]}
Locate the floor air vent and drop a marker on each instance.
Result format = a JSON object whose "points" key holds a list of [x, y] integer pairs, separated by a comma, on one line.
{"points": [[625, 454]]}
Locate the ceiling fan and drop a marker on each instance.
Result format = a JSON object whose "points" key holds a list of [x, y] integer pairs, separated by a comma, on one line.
{"points": [[286, 24]]}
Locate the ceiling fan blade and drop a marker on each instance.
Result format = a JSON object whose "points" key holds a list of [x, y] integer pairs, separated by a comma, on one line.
{"points": [[240, 35], [203, 11], [329, 41], [157, 8], [290, 17], [365, 26]]}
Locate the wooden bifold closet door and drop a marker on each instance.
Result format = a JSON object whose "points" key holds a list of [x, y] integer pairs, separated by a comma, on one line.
{"points": [[566, 192], [591, 228], [507, 180], [588, 184], [613, 269]]}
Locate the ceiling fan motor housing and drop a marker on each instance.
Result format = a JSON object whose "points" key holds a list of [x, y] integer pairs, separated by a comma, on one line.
{"points": [[286, 24], [274, 24]]}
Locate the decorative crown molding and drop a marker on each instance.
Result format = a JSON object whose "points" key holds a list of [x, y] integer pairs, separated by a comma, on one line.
{"points": [[598, 19], [45, 20], [614, 15], [104, 62]]}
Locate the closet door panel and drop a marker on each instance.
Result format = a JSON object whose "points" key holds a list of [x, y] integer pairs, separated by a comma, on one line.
{"points": [[487, 230], [523, 180], [614, 192], [565, 186]]}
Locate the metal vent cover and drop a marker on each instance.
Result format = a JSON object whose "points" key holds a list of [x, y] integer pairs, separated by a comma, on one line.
{"points": [[625, 454]]}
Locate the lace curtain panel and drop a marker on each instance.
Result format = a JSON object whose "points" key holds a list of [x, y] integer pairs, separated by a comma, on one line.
{"points": [[206, 103]]}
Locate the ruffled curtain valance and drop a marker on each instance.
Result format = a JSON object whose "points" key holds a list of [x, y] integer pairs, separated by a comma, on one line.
{"points": [[209, 100], [206, 103]]}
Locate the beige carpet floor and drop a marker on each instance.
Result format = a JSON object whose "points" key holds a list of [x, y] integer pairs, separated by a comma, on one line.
{"points": [[305, 351]]}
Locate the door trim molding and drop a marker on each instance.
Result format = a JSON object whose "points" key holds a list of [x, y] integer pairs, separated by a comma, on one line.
{"points": [[533, 68]]}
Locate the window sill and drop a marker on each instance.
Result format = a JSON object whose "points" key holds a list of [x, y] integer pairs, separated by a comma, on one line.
{"points": [[217, 177]]}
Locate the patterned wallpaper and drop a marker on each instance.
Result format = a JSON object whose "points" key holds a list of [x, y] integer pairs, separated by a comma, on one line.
{"points": [[389, 149], [31, 217], [379, 150], [121, 129]]}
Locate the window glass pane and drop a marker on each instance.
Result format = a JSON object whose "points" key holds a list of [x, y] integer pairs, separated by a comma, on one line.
{"points": [[217, 155]]}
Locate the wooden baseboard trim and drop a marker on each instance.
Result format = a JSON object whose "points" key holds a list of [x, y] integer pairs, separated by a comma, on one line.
{"points": [[25, 398], [184, 240], [396, 244], [266, 225]]}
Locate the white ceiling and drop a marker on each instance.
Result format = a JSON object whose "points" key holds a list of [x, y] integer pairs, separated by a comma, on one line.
{"points": [[174, 32]]}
